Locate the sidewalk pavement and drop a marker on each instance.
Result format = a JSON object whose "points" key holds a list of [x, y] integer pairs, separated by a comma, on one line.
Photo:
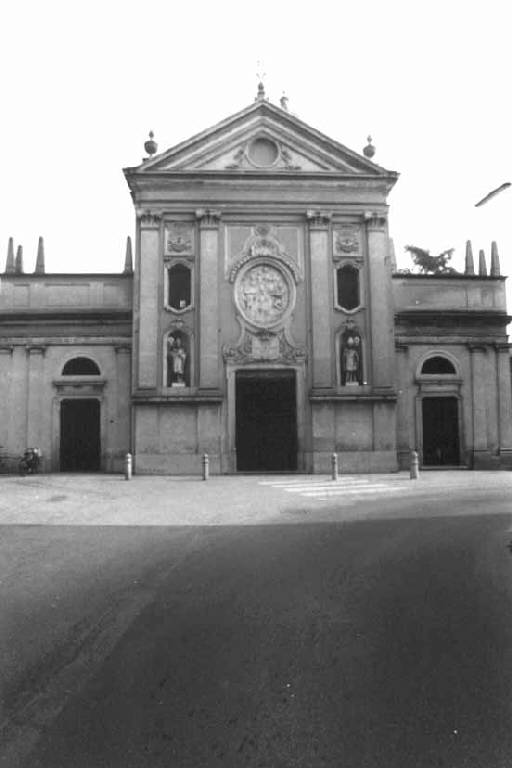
{"points": [[98, 499]]}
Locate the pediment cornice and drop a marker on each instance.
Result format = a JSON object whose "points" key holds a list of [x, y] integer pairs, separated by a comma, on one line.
{"points": [[293, 147]]}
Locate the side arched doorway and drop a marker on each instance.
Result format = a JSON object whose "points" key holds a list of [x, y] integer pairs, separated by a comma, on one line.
{"points": [[80, 444], [439, 411]]}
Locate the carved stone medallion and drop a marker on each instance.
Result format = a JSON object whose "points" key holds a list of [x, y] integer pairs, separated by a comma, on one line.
{"points": [[263, 294], [346, 241], [179, 239]]}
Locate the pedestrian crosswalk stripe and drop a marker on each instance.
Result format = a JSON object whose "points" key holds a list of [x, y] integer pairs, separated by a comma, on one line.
{"points": [[342, 492], [321, 486], [300, 483], [346, 488]]}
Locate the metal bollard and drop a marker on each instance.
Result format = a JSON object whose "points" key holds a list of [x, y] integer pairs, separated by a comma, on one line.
{"points": [[128, 466], [415, 472], [206, 466], [334, 466]]}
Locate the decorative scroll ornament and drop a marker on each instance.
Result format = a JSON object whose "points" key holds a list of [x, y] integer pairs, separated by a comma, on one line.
{"points": [[278, 157], [264, 346], [264, 245]]}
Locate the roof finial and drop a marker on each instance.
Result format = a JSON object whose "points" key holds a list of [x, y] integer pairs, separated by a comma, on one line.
{"points": [[482, 264], [369, 150], [39, 270], [470, 263], [260, 75], [128, 259], [495, 260], [284, 102], [18, 264], [151, 146], [9, 264]]}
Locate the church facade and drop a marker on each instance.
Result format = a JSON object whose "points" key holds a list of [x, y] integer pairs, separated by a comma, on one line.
{"points": [[263, 322]]}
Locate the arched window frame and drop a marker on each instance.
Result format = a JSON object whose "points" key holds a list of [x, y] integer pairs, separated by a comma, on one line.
{"points": [[167, 269], [356, 265], [80, 357], [454, 377], [188, 335]]}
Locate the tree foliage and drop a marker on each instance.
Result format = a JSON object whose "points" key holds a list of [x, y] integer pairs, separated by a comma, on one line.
{"points": [[431, 265]]}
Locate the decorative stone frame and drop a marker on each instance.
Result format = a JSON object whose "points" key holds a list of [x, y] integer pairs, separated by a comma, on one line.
{"points": [[168, 265], [88, 377], [262, 136], [441, 378], [281, 267], [354, 264], [438, 385], [301, 408], [187, 334]]}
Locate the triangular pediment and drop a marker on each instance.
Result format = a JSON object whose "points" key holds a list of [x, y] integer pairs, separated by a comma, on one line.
{"points": [[262, 138]]}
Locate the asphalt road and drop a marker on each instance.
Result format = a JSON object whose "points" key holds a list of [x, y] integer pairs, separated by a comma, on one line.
{"points": [[358, 644]]}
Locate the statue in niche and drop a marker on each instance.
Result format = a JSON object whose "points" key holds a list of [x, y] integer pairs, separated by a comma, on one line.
{"points": [[176, 362], [351, 356]]}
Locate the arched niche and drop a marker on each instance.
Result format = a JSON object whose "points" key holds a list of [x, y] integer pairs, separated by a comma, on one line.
{"points": [[177, 360], [350, 354]]}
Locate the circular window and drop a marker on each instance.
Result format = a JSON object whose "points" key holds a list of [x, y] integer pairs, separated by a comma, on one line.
{"points": [[263, 152]]}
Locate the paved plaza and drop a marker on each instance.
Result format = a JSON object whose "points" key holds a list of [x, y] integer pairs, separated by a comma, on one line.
{"points": [[77, 499], [265, 621]]}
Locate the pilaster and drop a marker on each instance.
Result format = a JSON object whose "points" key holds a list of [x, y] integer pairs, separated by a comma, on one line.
{"points": [[123, 430], [381, 311], [320, 262], [148, 342], [208, 298], [505, 400], [6, 365], [35, 356], [479, 380]]}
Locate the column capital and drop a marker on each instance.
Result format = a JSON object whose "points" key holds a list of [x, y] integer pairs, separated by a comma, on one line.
{"points": [[208, 218], [123, 348], [35, 349], [375, 220], [6, 349], [318, 219], [149, 219], [475, 347]]}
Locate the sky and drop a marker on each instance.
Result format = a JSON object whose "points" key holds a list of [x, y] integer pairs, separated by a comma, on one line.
{"points": [[82, 83]]}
